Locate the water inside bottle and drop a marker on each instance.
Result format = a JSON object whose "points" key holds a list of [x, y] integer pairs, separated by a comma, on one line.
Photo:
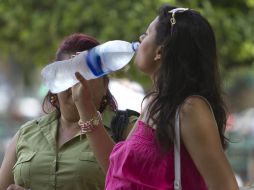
{"points": [[57, 76], [116, 60], [61, 84]]}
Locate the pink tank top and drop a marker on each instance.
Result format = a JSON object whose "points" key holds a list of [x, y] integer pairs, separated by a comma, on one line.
{"points": [[138, 164]]}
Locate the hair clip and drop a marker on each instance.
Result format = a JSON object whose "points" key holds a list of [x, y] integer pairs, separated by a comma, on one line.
{"points": [[174, 11]]}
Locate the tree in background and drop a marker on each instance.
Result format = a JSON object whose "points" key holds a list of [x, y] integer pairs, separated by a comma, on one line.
{"points": [[31, 30]]}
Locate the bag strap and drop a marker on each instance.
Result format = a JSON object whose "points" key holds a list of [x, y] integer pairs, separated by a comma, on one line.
{"points": [[177, 182]]}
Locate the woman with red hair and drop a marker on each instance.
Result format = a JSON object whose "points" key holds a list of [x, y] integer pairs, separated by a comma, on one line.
{"points": [[51, 152]]}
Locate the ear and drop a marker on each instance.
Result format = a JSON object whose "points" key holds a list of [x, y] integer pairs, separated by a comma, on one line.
{"points": [[158, 53]]}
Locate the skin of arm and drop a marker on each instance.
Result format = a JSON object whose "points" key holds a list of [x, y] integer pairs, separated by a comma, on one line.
{"points": [[130, 126], [200, 136], [99, 140], [6, 175]]}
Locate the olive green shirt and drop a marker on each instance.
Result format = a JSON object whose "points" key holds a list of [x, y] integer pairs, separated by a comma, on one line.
{"points": [[41, 166]]}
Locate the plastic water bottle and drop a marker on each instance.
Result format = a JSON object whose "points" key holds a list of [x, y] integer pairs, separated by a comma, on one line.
{"points": [[96, 62]]}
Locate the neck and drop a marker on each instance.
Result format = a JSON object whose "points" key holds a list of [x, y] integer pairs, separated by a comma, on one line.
{"points": [[66, 131], [68, 123]]}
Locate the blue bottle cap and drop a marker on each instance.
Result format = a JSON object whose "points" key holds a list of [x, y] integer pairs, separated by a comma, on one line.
{"points": [[135, 45]]}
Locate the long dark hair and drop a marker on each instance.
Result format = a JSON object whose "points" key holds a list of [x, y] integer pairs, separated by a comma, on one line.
{"points": [[72, 44], [188, 67]]}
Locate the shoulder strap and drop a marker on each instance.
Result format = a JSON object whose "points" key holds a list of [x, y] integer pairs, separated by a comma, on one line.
{"points": [[120, 122], [177, 182]]}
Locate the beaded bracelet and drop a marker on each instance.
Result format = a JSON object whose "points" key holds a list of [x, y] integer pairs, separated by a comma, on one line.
{"points": [[90, 125]]}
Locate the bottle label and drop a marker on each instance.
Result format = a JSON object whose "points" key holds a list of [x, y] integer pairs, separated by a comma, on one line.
{"points": [[94, 63]]}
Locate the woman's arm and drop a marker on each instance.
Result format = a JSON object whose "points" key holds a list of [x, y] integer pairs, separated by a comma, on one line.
{"points": [[201, 138], [6, 176], [131, 124], [99, 140]]}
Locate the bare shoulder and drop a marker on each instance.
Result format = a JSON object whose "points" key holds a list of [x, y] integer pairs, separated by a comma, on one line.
{"points": [[195, 105], [196, 117], [198, 125]]}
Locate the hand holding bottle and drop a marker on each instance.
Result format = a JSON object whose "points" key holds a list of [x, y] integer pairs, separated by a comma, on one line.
{"points": [[82, 98], [99, 140]]}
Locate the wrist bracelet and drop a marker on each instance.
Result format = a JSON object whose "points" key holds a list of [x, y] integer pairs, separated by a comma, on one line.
{"points": [[89, 126]]}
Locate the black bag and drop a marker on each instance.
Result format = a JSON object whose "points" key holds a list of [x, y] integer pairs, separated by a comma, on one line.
{"points": [[120, 122]]}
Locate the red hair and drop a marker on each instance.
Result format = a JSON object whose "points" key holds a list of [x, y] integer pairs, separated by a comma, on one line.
{"points": [[75, 43]]}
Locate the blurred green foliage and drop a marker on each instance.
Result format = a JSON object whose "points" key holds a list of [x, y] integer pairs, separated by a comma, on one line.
{"points": [[31, 30]]}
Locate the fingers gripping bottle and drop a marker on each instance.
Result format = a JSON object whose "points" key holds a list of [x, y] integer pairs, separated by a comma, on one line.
{"points": [[96, 62]]}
